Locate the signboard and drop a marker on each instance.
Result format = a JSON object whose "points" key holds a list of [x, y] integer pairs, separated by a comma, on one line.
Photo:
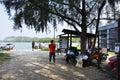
{"points": [[63, 42], [117, 48]]}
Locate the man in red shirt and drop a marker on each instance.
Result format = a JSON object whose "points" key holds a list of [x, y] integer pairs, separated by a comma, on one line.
{"points": [[52, 47]]}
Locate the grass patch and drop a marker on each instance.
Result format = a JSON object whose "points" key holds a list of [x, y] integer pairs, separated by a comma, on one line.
{"points": [[111, 53], [4, 57], [45, 49]]}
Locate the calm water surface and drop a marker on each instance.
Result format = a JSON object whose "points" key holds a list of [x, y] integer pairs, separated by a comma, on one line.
{"points": [[19, 45], [24, 46]]}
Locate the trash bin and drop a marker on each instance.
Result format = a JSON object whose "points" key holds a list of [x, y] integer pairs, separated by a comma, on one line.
{"points": [[85, 63], [82, 61], [79, 63]]}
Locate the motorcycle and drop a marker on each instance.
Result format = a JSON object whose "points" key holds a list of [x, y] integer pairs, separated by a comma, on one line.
{"points": [[113, 63], [103, 56]]}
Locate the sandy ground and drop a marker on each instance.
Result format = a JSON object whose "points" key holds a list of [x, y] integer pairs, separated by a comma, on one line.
{"points": [[33, 65]]}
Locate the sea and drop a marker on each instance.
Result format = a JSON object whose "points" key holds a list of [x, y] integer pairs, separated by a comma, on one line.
{"points": [[24, 46], [18, 45]]}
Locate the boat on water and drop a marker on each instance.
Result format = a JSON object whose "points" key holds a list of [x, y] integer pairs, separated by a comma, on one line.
{"points": [[7, 47]]}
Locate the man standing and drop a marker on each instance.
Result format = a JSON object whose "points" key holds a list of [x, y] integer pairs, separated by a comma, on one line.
{"points": [[33, 45], [52, 47]]}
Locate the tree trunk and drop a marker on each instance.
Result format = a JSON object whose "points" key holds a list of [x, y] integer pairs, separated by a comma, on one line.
{"points": [[83, 42], [84, 29]]}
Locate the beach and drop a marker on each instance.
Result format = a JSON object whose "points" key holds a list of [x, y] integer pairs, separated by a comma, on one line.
{"points": [[33, 65]]}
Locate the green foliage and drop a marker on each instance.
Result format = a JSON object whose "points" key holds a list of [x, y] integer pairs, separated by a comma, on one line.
{"points": [[37, 14], [20, 39], [28, 39], [112, 2], [4, 57], [45, 49], [75, 40]]}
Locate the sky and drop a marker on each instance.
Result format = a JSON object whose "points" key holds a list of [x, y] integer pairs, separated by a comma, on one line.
{"points": [[6, 28]]}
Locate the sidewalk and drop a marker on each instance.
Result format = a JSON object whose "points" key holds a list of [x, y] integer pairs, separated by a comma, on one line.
{"points": [[33, 65]]}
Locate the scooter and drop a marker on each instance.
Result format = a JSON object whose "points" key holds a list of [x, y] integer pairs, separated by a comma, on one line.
{"points": [[102, 56]]}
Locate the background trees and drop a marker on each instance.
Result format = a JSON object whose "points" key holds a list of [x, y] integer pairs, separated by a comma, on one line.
{"points": [[38, 14]]}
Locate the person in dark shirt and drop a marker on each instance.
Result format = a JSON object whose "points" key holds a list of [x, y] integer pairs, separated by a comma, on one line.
{"points": [[33, 45]]}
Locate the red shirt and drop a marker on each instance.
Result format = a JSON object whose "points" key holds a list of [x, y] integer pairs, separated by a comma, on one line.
{"points": [[52, 47]]}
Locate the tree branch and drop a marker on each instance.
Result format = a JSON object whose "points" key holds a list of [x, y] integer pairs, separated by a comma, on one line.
{"points": [[63, 16], [72, 25], [91, 22]]}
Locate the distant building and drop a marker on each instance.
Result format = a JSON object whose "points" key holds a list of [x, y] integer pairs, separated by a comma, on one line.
{"points": [[109, 35]]}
